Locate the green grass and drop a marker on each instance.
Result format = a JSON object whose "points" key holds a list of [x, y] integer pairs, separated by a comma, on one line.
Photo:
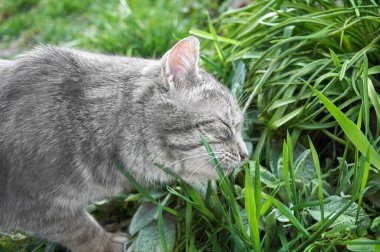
{"points": [[307, 75], [311, 69], [138, 27]]}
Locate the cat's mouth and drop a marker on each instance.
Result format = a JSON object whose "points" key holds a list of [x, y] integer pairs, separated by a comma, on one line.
{"points": [[229, 166]]}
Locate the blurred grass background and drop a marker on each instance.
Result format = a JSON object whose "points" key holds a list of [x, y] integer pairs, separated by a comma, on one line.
{"points": [[140, 27]]}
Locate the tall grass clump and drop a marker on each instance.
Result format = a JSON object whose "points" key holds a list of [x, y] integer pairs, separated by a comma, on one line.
{"points": [[282, 47], [306, 74]]}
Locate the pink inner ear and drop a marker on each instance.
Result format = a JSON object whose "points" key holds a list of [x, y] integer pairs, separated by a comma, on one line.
{"points": [[183, 58]]}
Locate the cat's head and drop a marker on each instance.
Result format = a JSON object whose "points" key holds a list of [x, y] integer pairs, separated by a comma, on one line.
{"points": [[191, 103]]}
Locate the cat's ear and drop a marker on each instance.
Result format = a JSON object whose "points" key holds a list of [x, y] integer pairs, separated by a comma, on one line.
{"points": [[181, 62]]}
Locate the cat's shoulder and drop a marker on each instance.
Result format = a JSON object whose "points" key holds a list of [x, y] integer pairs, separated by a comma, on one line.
{"points": [[46, 57]]}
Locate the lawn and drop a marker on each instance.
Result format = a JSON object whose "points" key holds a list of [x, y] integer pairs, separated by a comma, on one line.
{"points": [[307, 76]]}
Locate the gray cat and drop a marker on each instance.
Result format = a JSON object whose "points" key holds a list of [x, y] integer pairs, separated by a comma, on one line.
{"points": [[66, 115]]}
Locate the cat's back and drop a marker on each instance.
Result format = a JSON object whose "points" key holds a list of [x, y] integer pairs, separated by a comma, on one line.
{"points": [[37, 82], [51, 91], [55, 65], [5, 64], [52, 74]]}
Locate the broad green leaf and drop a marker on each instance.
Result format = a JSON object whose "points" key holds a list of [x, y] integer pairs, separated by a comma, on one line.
{"points": [[335, 203], [144, 215], [303, 166], [307, 174], [266, 177], [332, 218], [149, 239], [275, 156], [340, 229], [279, 216], [375, 226], [244, 217], [360, 245]]}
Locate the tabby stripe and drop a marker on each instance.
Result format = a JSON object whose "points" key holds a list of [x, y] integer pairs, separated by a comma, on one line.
{"points": [[184, 147], [187, 147], [177, 130]]}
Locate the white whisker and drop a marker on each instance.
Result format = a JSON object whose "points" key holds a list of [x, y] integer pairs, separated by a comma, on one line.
{"points": [[200, 155], [196, 169]]}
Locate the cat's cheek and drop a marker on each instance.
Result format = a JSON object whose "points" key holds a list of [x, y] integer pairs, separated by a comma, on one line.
{"points": [[200, 172]]}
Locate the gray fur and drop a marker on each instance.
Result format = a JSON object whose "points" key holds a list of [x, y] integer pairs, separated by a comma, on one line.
{"points": [[66, 115]]}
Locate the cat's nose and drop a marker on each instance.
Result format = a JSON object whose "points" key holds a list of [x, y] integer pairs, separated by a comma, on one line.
{"points": [[243, 155], [243, 152]]}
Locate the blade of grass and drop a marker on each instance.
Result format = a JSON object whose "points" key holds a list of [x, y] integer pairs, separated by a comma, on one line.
{"points": [[250, 206], [288, 214], [373, 96], [351, 131], [365, 94], [257, 187], [188, 221], [334, 58], [318, 170], [196, 199], [215, 39], [206, 35], [226, 188], [140, 189], [285, 168], [362, 186], [295, 196], [161, 230]]}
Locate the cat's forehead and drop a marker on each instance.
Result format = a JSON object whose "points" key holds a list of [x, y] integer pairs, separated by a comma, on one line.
{"points": [[233, 113], [209, 97], [222, 103]]}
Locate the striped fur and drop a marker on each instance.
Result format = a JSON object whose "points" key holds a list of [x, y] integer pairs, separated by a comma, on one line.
{"points": [[66, 115]]}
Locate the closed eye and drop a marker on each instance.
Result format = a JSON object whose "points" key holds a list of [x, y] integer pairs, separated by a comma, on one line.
{"points": [[219, 131], [228, 127]]}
